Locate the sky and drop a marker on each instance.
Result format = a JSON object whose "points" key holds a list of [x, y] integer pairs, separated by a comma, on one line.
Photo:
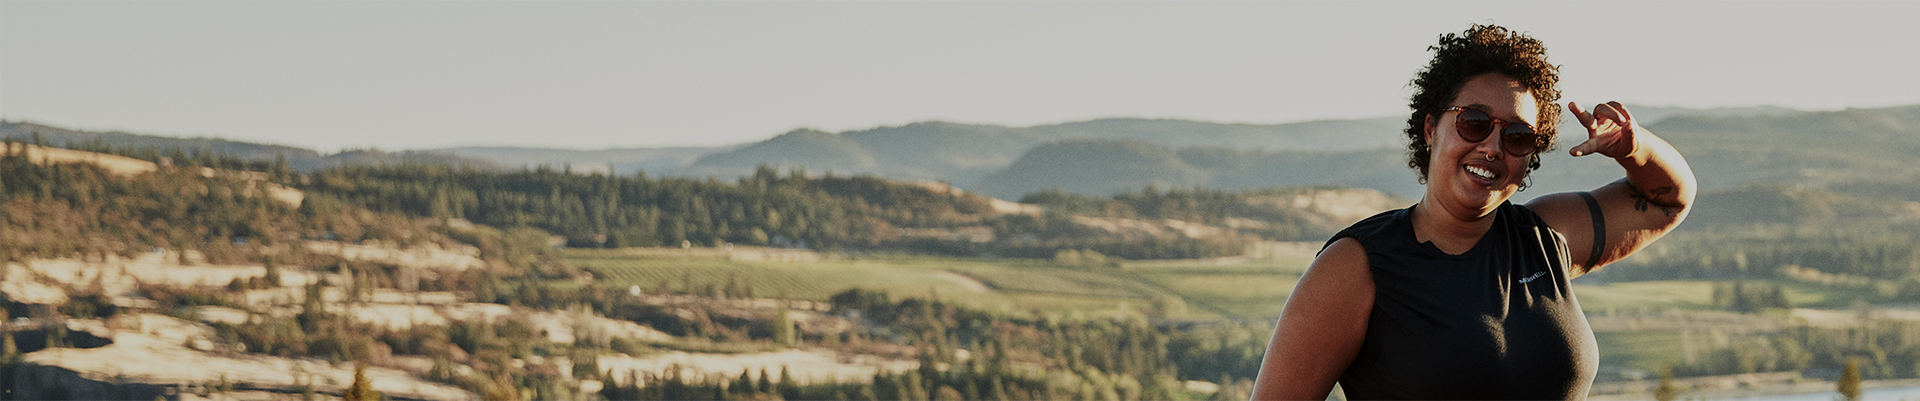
{"points": [[332, 75]]}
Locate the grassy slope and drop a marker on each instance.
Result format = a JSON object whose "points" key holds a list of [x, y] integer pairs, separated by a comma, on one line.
{"points": [[1015, 284], [1249, 290], [1697, 295]]}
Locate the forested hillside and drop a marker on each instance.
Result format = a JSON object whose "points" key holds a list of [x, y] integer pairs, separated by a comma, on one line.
{"points": [[1106, 167], [620, 211], [821, 212]]}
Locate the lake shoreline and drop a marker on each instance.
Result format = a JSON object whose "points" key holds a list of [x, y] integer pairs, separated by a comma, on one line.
{"points": [[1765, 392]]}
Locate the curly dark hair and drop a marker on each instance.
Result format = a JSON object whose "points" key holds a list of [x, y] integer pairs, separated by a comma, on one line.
{"points": [[1479, 50]]}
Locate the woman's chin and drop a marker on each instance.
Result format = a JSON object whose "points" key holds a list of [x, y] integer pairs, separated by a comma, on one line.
{"points": [[1481, 197]]}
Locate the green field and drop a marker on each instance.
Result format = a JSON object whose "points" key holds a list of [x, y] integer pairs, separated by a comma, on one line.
{"points": [[1697, 294], [1647, 350], [1645, 294], [1011, 284], [1251, 290]]}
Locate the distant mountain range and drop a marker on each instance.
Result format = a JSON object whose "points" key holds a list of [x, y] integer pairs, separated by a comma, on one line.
{"points": [[1727, 147], [299, 158]]}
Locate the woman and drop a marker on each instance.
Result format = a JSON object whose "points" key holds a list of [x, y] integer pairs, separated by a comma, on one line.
{"points": [[1465, 295]]}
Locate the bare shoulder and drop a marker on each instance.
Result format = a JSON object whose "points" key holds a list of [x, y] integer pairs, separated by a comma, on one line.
{"points": [[1338, 285], [1322, 327], [1342, 261], [1562, 211]]}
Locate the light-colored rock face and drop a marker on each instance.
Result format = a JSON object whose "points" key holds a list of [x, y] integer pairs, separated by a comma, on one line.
{"points": [[568, 327], [114, 164], [21, 285], [151, 353], [562, 327], [1136, 228], [401, 316], [117, 276], [127, 166], [428, 256], [171, 330], [1336, 207]]}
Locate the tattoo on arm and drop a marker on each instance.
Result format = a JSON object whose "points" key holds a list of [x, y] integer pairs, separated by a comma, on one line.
{"points": [[1642, 199]]}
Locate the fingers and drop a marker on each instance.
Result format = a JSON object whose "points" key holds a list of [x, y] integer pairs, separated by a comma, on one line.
{"points": [[1594, 122], [1608, 125], [1614, 111], [1584, 148], [1586, 119], [1626, 118]]}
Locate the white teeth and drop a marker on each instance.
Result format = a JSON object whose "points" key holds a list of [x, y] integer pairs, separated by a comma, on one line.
{"points": [[1481, 172]]}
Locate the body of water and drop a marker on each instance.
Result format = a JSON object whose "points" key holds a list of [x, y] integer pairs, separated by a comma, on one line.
{"points": [[1876, 394]]}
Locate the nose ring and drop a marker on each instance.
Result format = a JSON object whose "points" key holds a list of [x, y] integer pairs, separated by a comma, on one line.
{"points": [[1489, 157]]}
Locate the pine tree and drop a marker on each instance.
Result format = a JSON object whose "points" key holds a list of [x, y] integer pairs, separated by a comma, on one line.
{"points": [[1777, 298], [788, 388], [743, 384], [1849, 383], [947, 393], [273, 273], [1666, 391], [783, 331], [9, 351], [1742, 301], [362, 388]]}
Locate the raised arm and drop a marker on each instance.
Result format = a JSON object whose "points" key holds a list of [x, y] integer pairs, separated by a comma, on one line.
{"points": [[1321, 329], [1654, 197]]}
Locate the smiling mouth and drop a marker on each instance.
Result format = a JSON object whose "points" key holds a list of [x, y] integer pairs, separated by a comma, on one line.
{"points": [[1481, 172]]}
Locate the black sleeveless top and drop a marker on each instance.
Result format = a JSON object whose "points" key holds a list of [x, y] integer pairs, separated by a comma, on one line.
{"points": [[1497, 322]]}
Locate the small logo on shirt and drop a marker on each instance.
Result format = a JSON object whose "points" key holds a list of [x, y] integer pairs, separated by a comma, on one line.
{"points": [[1530, 279]]}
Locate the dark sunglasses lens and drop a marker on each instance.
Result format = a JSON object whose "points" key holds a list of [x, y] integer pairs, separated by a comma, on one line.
{"points": [[1473, 125], [1519, 140]]}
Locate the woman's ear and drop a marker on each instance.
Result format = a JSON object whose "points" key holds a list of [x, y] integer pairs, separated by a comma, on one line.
{"points": [[1428, 129]]}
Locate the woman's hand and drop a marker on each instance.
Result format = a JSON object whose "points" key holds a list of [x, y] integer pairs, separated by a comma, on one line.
{"points": [[1610, 130]]}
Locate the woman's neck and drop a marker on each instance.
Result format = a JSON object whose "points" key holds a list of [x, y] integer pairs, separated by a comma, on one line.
{"points": [[1451, 233]]}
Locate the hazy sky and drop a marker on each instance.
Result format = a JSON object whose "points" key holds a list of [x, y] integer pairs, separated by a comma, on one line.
{"points": [[590, 75]]}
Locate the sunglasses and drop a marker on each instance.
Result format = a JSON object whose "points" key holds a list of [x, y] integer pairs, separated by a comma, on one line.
{"points": [[1474, 125]]}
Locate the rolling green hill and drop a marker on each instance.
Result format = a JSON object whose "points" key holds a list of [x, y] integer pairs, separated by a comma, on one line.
{"points": [[297, 158], [808, 149], [941, 150], [965, 153], [1092, 167], [614, 161], [25, 131], [1727, 149]]}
